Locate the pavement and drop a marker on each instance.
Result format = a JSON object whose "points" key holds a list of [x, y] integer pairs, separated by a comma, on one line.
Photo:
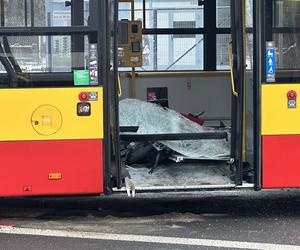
{"points": [[199, 220]]}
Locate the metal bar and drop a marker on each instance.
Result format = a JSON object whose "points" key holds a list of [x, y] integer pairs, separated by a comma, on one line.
{"points": [[176, 189], [181, 74], [292, 30], [155, 43], [127, 129], [231, 70], [187, 31], [49, 41], [2, 14], [169, 31], [45, 31], [165, 9], [174, 137], [25, 13], [210, 24], [133, 80], [132, 10], [144, 14], [32, 13], [269, 20], [224, 30], [133, 83], [77, 19]]}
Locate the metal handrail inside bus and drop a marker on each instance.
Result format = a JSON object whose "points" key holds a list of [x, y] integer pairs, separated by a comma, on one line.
{"points": [[234, 92]]}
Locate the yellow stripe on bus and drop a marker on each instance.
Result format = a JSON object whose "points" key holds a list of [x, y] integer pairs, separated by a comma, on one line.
{"points": [[276, 117], [49, 114]]}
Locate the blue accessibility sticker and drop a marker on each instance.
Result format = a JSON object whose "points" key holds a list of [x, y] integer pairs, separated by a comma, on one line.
{"points": [[270, 65]]}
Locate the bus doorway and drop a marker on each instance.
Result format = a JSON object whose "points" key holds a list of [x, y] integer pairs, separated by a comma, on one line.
{"points": [[163, 148]]}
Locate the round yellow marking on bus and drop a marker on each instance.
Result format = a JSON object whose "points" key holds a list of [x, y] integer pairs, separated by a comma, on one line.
{"points": [[46, 120]]}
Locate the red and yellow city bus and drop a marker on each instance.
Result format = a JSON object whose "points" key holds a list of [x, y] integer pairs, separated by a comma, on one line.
{"points": [[60, 129]]}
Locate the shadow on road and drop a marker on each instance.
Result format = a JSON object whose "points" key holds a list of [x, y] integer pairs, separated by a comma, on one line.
{"points": [[234, 203]]}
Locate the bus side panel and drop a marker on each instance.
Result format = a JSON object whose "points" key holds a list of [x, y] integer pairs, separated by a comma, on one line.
{"points": [[281, 161], [51, 108], [56, 167]]}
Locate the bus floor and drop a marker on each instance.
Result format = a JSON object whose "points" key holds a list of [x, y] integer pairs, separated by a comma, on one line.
{"points": [[181, 174]]}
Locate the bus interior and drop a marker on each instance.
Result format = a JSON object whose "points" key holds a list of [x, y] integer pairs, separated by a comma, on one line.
{"points": [[185, 130]]}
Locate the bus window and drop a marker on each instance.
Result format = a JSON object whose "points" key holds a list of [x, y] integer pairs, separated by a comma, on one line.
{"points": [[286, 24], [56, 60], [42, 13], [33, 58]]}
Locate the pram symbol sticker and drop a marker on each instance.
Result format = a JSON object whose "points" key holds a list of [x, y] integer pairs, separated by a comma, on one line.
{"points": [[270, 62]]}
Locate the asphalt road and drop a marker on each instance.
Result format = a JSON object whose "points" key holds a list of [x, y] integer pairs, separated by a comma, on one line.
{"points": [[211, 220]]}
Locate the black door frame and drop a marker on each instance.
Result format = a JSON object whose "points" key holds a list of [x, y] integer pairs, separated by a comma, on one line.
{"points": [[263, 31], [100, 20], [115, 98], [237, 110], [258, 24]]}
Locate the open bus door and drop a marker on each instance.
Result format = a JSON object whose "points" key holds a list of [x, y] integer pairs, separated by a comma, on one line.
{"points": [[53, 94], [237, 54], [278, 74], [238, 67]]}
